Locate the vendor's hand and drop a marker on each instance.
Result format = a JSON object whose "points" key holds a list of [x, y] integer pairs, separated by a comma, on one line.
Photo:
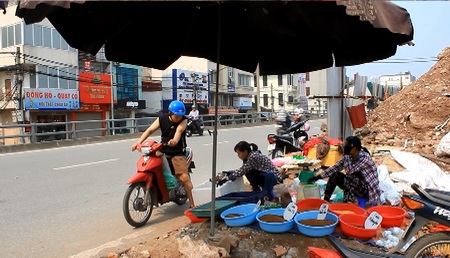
{"points": [[231, 177], [228, 172], [314, 179]]}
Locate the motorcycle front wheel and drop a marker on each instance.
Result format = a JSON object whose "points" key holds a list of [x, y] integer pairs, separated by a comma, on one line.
{"points": [[188, 133], [136, 210], [436, 245]]}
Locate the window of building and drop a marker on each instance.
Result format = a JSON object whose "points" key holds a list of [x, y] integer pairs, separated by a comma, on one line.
{"points": [[64, 45], [291, 99], [10, 32], [63, 79], [290, 79], [8, 93], [245, 80], [4, 38], [11, 35], [280, 99], [37, 35], [28, 35], [265, 100], [33, 35], [47, 33], [213, 76], [54, 78], [17, 34], [280, 80], [307, 76], [265, 80], [56, 39], [230, 75]]}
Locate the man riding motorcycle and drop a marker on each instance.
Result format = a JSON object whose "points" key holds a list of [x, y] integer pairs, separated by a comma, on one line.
{"points": [[194, 115]]}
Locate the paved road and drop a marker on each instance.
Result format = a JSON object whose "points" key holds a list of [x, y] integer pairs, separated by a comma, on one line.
{"points": [[67, 201]]}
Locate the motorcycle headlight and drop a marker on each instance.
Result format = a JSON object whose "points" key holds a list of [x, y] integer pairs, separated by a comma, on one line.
{"points": [[146, 150]]}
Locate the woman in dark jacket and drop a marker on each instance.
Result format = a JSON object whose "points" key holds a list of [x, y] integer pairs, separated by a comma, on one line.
{"points": [[257, 168]]}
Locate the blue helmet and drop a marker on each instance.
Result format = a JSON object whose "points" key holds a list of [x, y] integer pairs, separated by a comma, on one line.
{"points": [[177, 107]]}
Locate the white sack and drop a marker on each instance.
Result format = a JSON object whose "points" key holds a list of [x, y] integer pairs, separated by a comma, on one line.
{"points": [[419, 170], [443, 149], [389, 193]]}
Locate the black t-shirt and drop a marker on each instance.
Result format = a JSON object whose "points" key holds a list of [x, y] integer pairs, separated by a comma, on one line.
{"points": [[168, 129]]}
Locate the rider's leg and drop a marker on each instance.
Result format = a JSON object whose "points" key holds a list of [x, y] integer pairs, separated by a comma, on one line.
{"points": [[182, 174]]}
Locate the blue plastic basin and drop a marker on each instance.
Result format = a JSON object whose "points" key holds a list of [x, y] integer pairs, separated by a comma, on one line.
{"points": [[274, 227], [315, 231], [248, 212]]}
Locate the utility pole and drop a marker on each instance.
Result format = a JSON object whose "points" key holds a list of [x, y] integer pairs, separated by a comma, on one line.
{"points": [[19, 83], [194, 77], [258, 100], [272, 98]]}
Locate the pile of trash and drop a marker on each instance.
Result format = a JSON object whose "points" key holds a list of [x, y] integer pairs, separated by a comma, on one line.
{"points": [[417, 117]]}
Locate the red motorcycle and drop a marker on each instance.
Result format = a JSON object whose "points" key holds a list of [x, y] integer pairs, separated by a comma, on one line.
{"points": [[153, 184]]}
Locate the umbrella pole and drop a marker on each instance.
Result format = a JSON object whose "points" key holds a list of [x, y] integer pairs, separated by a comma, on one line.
{"points": [[216, 106]]}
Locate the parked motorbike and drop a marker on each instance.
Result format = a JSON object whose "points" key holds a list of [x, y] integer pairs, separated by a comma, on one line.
{"points": [[428, 205], [194, 127], [288, 140], [153, 184]]}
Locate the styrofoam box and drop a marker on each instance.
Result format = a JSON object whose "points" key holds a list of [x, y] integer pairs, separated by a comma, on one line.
{"points": [[202, 193]]}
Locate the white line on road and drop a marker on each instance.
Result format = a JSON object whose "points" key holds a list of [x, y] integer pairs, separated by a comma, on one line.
{"points": [[209, 144], [86, 164]]}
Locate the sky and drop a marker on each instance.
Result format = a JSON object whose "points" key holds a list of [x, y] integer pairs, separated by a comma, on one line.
{"points": [[431, 23]]}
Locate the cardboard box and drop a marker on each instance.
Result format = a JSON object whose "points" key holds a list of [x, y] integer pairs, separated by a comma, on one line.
{"points": [[202, 193]]}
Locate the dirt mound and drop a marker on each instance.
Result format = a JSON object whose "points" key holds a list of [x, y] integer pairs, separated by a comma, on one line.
{"points": [[409, 118]]}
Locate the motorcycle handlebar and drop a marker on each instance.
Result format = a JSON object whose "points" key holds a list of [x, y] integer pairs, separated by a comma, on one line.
{"points": [[296, 126]]}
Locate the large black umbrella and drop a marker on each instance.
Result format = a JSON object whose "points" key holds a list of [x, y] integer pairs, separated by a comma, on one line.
{"points": [[281, 36]]}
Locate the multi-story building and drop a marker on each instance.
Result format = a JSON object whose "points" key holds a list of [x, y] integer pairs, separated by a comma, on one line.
{"points": [[45, 80], [398, 81], [192, 79], [279, 91]]}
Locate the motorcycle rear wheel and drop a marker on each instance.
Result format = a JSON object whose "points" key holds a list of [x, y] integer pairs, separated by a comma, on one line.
{"points": [[135, 211], [276, 153], [436, 245]]}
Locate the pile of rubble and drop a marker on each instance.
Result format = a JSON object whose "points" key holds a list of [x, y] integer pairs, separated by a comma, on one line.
{"points": [[415, 119]]}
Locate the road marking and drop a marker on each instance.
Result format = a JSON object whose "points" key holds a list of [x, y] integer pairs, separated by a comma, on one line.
{"points": [[86, 164], [95, 251], [209, 144]]}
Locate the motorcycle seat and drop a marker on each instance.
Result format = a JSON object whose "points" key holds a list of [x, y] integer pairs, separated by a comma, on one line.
{"points": [[285, 137], [437, 196]]}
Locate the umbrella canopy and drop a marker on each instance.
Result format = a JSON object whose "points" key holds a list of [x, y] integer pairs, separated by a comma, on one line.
{"points": [[281, 36]]}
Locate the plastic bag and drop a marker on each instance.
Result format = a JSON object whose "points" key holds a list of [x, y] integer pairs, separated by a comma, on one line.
{"points": [[171, 181], [389, 193]]}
